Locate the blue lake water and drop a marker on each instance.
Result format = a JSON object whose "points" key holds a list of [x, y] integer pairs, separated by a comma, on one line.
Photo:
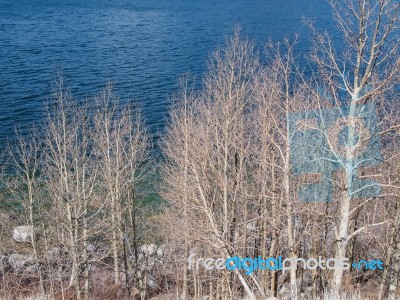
{"points": [[142, 46]]}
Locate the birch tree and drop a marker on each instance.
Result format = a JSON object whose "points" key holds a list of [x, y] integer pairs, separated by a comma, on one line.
{"points": [[121, 143], [71, 172], [25, 185], [215, 132], [367, 67]]}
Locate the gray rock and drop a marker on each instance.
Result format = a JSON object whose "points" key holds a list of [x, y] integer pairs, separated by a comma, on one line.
{"points": [[151, 282], [148, 257], [161, 251], [140, 256], [31, 269], [19, 261], [91, 248], [148, 249], [251, 226], [22, 234]]}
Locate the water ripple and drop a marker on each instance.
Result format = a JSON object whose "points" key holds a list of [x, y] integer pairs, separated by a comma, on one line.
{"points": [[143, 46]]}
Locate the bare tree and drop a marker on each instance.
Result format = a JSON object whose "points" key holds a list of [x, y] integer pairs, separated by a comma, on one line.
{"points": [[26, 189], [206, 159], [121, 144], [367, 67], [72, 172]]}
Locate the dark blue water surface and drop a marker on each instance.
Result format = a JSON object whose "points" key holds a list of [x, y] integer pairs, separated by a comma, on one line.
{"points": [[142, 46]]}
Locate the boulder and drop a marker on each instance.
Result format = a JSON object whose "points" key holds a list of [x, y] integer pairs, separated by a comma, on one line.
{"points": [[151, 282], [251, 226], [91, 248], [149, 256], [161, 251], [148, 249], [31, 269], [20, 261], [22, 234]]}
